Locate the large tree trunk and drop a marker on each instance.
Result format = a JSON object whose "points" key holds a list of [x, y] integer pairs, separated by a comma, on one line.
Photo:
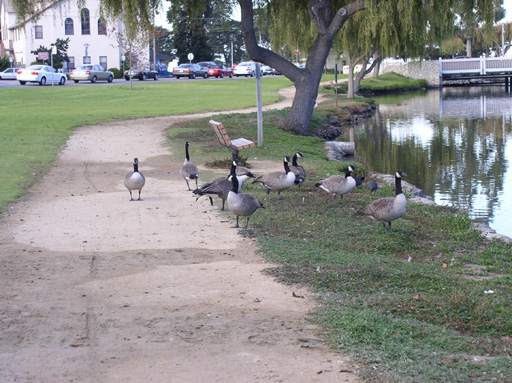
{"points": [[306, 80], [469, 42]]}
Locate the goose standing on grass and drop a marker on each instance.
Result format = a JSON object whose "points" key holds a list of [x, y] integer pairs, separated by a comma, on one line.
{"points": [[339, 184], [134, 180], [189, 171], [278, 181], [300, 173], [388, 209], [219, 187], [241, 204], [372, 185]]}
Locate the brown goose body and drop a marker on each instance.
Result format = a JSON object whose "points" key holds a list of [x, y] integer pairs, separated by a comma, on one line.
{"points": [[219, 187], [339, 185], [241, 204], [278, 181], [388, 209]]}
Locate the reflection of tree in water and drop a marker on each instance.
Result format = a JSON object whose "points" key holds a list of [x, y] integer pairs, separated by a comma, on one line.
{"points": [[477, 171], [463, 159]]}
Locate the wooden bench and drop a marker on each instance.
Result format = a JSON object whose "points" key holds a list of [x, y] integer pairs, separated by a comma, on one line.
{"points": [[233, 145]]}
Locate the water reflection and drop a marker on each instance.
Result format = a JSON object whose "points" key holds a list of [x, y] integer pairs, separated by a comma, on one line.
{"points": [[453, 143]]}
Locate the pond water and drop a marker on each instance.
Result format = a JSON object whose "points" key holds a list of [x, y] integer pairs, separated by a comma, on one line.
{"points": [[454, 143]]}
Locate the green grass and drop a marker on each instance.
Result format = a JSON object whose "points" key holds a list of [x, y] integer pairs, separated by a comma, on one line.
{"points": [[409, 306], [386, 82], [39, 120], [391, 80]]}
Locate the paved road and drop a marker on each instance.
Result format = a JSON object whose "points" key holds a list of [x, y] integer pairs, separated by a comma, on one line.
{"points": [[16, 84]]}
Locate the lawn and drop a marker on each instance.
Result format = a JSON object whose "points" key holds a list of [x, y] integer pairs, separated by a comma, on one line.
{"points": [[38, 120]]}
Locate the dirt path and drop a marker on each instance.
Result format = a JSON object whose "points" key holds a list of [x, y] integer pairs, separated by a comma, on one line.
{"points": [[95, 288]]}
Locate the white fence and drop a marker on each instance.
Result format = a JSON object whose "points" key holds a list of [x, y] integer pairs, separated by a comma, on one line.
{"points": [[480, 66]]}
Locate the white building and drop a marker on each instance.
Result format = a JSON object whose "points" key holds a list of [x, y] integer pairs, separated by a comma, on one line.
{"points": [[91, 41]]}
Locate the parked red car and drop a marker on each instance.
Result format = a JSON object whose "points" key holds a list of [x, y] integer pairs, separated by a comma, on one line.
{"points": [[220, 71]]}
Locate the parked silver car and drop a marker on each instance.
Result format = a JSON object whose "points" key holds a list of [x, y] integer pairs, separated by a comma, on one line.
{"points": [[91, 73], [245, 69]]}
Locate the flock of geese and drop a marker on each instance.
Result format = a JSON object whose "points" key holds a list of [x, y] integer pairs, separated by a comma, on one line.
{"points": [[229, 188]]}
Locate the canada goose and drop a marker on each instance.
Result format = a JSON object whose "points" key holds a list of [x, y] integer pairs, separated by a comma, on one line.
{"points": [[219, 187], [241, 204], [134, 180], [339, 184], [300, 173], [278, 181], [189, 171], [389, 208], [372, 185]]}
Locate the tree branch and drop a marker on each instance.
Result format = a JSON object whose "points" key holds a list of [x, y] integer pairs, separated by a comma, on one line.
{"points": [[314, 12], [344, 13], [258, 53]]}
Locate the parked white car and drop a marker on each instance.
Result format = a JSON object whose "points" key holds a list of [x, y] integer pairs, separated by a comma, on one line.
{"points": [[245, 69], [9, 74], [41, 74]]}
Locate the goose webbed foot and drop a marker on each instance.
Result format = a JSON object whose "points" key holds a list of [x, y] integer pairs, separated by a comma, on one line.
{"points": [[236, 227]]}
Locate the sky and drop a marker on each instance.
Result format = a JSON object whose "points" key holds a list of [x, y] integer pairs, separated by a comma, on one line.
{"points": [[507, 4]]}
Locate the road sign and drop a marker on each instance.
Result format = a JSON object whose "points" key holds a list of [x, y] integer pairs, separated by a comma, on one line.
{"points": [[297, 51], [190, 56], [42, 55]]}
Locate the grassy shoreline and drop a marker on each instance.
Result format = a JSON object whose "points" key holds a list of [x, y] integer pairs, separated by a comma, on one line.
{"points": [[408, 306]]}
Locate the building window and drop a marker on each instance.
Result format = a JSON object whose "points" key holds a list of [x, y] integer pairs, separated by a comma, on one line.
{"points": [[87, 60], [102, 28], [86, 22], [39, 31], [68, 27], [103, 62], [71, 63]]}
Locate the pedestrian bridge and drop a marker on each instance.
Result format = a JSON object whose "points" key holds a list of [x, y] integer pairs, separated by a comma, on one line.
{"points": [[478, 68]]}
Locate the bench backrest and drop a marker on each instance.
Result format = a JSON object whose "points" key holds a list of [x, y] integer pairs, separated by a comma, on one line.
{"points": [[221, 133]]}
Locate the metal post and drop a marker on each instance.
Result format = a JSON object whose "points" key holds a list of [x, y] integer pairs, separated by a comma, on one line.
{"points": [[336, 82], [260, 111]]}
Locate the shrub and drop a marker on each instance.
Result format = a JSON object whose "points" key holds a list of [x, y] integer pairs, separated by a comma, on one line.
{"points": [[117, 72]]}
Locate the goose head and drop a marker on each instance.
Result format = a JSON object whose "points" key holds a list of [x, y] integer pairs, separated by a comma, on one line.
{"points": [[400, 174], [349, 170], [232, 171]]}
